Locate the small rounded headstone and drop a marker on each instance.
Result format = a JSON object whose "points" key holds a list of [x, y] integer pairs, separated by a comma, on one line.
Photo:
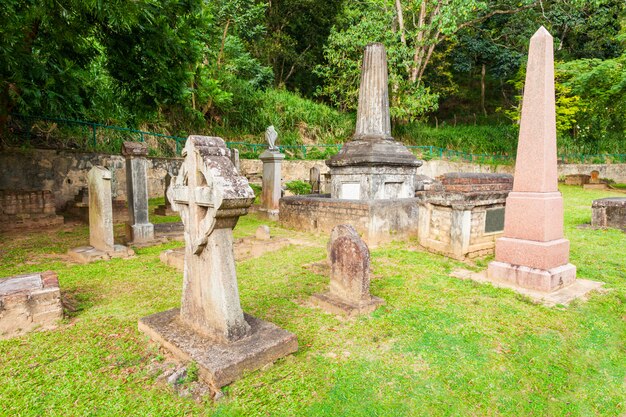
{"points": [[263, 232]]}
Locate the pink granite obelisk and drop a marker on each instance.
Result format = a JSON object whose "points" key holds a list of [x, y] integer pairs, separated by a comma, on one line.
{"points": [[533, 253]]}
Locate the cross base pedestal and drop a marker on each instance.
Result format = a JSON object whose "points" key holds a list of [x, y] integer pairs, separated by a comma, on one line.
{"points": [[220, 363]]}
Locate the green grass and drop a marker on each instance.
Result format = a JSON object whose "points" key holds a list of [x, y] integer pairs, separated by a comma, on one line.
{"points": [[440, 346]]}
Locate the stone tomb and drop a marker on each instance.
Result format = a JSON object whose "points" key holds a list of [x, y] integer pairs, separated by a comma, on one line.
{"points": [[464, 218], [210, 328], [138, 228], [609, 212], [350, 275], [26, 209], [372, 176], [100, 221], [28, 302]]}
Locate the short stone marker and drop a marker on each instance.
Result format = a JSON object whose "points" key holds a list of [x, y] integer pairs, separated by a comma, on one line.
{"points": [[234, 158], [314, 180], [138, 228], [210, 328], [350, 275], [609, 212], [100, 221], [165, 209], [272, 160], [263, 232], [29, 301], [595, 183], [533, 253]]}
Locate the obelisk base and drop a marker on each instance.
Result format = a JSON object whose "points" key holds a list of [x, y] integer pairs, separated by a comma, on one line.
{"points": [[220, 363], [545, 280]]}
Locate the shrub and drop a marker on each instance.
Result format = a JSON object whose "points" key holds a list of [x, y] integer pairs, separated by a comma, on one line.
{"points": [[298, 187]]}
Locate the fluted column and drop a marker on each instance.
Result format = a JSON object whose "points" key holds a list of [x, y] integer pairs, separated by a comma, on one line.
{"points": [[373, 120]]}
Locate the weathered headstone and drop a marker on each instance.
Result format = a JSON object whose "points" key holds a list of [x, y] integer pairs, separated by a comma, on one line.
{"points": [[165, 209], [350, 275], [100, 221], [533, 253], [138, 228], [100, 209], [263, 232], [234, 158], [210, 327], [314, 180], [272, 160]]}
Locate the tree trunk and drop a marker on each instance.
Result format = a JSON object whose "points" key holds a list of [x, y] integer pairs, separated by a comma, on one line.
{"points": [[482, 89]]}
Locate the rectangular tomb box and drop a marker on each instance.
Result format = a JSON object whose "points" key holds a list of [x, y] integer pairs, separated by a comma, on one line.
{"points": [[28, 302], [464, 219]]}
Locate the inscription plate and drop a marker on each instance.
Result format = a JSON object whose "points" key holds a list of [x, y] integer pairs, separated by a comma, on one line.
{"points": [[494, 220], [350, 191]]}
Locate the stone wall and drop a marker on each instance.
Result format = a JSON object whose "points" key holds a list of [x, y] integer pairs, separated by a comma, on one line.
{"points": [[64, 173]]}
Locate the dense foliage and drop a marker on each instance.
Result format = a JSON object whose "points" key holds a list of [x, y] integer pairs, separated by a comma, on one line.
{"points": [[234, 67]]}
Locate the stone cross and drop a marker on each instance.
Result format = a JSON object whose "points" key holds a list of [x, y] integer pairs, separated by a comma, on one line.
{"points": [[533, 252], [210, 196], [100, 209], [138, 229], [350, 275]]}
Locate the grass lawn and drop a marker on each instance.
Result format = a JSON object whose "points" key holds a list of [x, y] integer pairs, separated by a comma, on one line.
{"points": [[440, 346]]}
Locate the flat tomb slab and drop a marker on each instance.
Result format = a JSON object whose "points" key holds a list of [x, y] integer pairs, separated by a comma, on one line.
{"points": [[334, 305], [563, 296], [29, 301], [244, 248], [87, 254], [220, 363]]}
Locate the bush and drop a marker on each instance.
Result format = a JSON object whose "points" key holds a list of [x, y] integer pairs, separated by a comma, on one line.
{"points": [[298, 187]]}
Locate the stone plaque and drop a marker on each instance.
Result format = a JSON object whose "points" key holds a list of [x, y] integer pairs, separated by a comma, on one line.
{"points": [[350, 191], [494, 220]]}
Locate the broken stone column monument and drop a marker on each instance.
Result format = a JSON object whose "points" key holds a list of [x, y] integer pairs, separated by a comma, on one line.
{"points": [[373, 166], [138, 228], [349, 259], [210, 328], [272, 160], [100, 221], [533, 252]]}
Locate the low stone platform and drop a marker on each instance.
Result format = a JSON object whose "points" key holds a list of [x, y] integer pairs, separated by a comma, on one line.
{"points": [[563, 296], [162, 210], [334, 305], [28, 302], [87, 254], [609, 212], [220, 363], [378, 221], [245, 248], [27, 210], [163, 232]]}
